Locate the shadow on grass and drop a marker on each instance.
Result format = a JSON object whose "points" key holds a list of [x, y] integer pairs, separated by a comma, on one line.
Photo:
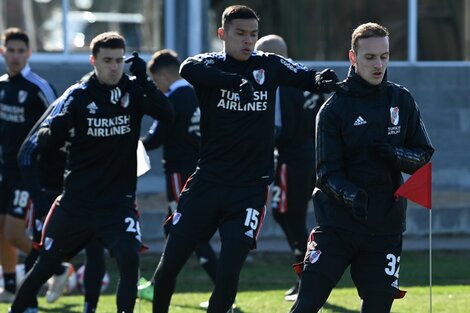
{"points": [[197, 308], [337, 308], [65, 308]]}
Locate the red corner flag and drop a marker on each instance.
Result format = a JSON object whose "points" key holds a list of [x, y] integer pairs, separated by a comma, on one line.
{"points": [[418, 187]]}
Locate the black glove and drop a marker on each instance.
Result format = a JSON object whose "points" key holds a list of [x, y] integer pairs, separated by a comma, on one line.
{"points": [[326, 81], [385, 151], [138, 68], [359, 206], [246, 91]]}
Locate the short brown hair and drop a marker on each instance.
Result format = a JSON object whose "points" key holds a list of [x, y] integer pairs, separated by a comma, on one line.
{"points": [[165, 58], [111, 40], [367, 30], [15, 33], [237, 12]]}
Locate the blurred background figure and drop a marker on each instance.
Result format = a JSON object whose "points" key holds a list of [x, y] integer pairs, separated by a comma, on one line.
{"points": [[295, 152]]}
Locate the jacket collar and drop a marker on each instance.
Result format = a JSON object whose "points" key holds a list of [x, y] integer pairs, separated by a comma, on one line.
{"points": [[359, 87]]}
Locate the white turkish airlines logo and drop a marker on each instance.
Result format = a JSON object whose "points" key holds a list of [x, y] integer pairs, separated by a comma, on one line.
{"points": [[259, 76]]}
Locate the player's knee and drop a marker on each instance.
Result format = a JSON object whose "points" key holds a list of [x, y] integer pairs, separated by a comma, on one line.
{"points": [[376, 302], [16, 239], [45, 267], [127, 253], [303, 305]]}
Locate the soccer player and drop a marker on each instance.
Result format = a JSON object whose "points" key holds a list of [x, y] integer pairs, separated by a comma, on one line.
{"points": [[295, 167], [43, 175], [180, 141], [366, 136], [101, 118], [24, 96], [236, 90]]}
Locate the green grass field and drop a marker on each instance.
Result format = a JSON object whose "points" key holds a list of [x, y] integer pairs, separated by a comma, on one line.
{"points": [[264, 281]]}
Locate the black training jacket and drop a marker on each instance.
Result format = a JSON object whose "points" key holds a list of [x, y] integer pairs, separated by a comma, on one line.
{"points": [[43, 174], [102, 125], [296, 141], [237, 141], [23, 99], [180, 139], [348, 125]]}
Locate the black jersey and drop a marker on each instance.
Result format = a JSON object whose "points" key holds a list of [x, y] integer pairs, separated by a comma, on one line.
{"points": [[296, 141], [237, 141], [180, 139], [23, 99], [43, 174], [102, 125], [348, 125]]}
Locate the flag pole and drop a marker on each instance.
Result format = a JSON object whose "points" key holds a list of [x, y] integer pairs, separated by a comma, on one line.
{"points": [[418, 188], [430, 261]]}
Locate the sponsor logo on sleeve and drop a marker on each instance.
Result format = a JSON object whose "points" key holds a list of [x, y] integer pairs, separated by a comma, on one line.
{"points": [[294, 67]]}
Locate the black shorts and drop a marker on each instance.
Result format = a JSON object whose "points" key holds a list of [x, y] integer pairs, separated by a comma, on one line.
{"points": [[204, 207], [67, 233], [37, 224], [292, 188], [374, 260], [14, 198]]}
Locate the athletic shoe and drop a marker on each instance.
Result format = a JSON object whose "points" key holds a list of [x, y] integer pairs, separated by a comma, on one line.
{"points": [[292, 290], [145, 289], [291, 297], [6, 296], [57, 285], [205, 305]]}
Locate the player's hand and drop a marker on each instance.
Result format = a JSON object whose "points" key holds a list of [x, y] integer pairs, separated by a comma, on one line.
{"points": [[360, 206], [385, 150], [138, 67], [327, 80], [246, 92]]}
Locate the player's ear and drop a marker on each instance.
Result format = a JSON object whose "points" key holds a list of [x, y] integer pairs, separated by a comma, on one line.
{"points": [[352, 57], [92, 60], [221, 33]]}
